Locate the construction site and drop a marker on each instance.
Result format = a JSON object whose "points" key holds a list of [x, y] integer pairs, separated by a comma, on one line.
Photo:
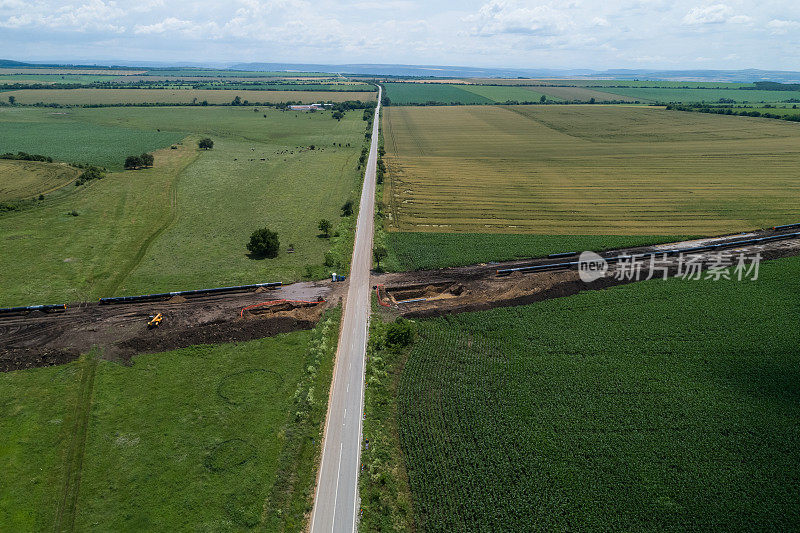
{"points": [[123, 327]]}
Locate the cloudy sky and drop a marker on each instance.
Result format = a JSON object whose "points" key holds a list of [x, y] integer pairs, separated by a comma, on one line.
{"points": [[598, 34]]}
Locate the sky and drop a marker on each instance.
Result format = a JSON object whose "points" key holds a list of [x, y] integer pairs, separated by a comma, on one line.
{"points": [[566, 34]]}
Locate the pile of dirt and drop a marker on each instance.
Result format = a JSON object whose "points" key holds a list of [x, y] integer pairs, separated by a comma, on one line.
{"points": [[33, 357], [177, 299], [216, 332]]}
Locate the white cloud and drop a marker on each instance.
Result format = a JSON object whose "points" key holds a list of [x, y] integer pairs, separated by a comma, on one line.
{"points": [[511, 17], [713, 14], [782, 27], [600, 21]]}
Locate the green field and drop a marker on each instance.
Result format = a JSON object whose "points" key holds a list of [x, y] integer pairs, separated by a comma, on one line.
{"points": [[184, 224], [585, 94], [613, 83], [73, 136], [657, 406], [208, 438], [587, 170], [26, 179], [425, 251], [178, 96], [422, 93], [703, 95], [191, 72], [55, 78]]}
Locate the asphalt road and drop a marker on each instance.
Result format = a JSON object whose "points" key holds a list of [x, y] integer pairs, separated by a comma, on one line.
{"points": [[336, 500]]}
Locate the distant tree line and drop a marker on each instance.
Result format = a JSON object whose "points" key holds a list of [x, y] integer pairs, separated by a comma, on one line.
{"points": [[730, 110], [24, 156]]}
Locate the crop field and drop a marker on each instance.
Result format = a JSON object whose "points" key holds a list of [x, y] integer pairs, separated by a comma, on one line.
{"points": [[178, 96], [702, 95], [614, 83], [587, 170], [26, 179], [169, 442], [420, 93], [583, 94], [177, 225], [64, 136], [55, 78], [426, 250], [71, 71], [658, 406], [191, 72]]}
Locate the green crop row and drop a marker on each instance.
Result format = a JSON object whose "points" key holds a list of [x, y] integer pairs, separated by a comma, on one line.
{"points": [[658, 406]]}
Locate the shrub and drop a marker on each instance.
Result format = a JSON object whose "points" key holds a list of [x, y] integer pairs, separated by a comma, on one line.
{"points": [[325, 227], [400, 332], [347, 208], [264, 243], [205, 144]]}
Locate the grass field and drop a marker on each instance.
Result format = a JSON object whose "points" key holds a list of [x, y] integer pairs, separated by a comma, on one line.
{"points": [[177, 96], [177, 225], [587, 170], [26, 179], [658, 406], [202, 439], [425, 251]]}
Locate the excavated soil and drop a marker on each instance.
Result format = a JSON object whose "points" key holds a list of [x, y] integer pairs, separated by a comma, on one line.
{"points": [[479, 287], [120, 330]]}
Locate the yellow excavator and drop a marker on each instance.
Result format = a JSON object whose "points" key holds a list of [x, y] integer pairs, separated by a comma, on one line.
{"points": [[155, 321]]}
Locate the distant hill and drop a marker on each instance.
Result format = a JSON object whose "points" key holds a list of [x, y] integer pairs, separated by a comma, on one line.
{"points": [[440, 71]]}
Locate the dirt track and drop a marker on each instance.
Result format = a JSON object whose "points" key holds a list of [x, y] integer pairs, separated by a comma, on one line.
{"points": [[120, 331]]}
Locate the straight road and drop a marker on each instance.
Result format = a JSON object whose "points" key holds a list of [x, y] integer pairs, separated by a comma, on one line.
{"points": [[336, 500]]}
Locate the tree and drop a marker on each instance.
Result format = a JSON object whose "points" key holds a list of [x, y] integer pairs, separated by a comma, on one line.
{"points": [[379, 253], [264, 243], [237, 101], [12, 100], [591, 100], [338, 115], [543, 99], [147, 160], [132, 162], [325, 227], [347, 208], [206, 144]]}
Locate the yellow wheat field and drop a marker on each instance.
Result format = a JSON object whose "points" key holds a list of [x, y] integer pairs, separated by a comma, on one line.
{"points": [[588, 170]]}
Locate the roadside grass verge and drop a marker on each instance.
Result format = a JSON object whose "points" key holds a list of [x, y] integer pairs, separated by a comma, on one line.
{"points": [[386, 502]]}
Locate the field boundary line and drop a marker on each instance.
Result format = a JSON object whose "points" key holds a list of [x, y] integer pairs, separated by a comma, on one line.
{"points": [[67, 509]]}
